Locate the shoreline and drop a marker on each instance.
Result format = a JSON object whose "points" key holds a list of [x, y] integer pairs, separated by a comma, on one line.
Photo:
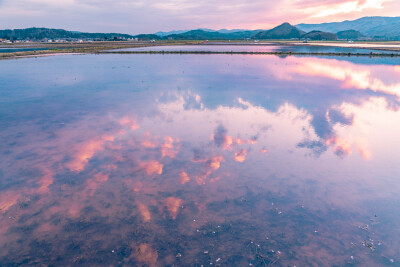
{"points": [[112, 48], [254, 53]]}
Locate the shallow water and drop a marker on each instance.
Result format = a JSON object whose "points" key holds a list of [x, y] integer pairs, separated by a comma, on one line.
{"points": [[260, 48], [196, 159], [12, 50]]}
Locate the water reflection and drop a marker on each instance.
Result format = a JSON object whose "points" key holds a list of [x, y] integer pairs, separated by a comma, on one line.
{"points": [[263, 48], [232, 160]]}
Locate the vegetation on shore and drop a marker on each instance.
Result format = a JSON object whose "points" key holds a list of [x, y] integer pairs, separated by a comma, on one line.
{"points": [[366, 28], [112, 48]]}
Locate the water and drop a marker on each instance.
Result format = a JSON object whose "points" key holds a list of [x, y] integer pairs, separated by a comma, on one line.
{"points": [[158, 160], [13, 50], [260, 48]]}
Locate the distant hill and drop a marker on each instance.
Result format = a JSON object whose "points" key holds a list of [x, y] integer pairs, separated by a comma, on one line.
{"points": [[41, 33], [350, 35], [206, 35], [283, 31], [385, 27], [232, 31], [320, 36], [163, 34]]}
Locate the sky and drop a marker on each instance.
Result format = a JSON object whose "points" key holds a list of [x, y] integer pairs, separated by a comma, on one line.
{"points": [[149, 16]]}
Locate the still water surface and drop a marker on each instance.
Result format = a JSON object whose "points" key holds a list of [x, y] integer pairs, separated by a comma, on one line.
{"points": [[186, 160], [260, 48], [18, 49]]}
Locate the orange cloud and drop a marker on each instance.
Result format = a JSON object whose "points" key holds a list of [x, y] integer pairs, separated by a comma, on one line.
{"points": [[148, 143], [351, 75], [221, 139], [45, 182], [363, 150], [238, 141], [215, 162], [240, 156], [252, 141], [167, 149], [340, 147], [184, 177], [74, 209], [144, 211], [173, 204], [263, 150], [211, 165], [93, 184], [365, 154], [130, 123], [153, 167], [8, 199], [88, 150]]}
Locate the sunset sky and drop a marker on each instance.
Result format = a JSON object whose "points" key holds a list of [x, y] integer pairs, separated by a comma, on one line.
{"points": [[149, 16]]}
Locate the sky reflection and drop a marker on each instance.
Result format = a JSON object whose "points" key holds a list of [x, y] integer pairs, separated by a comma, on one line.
{"points": [[148, 157]]}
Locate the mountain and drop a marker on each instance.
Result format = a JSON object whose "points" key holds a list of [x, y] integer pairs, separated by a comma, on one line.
{"points": [[384, 27], [206, 35], [163, 34], [232, 31], [319, 36], [41, 33], [147, 37], [283, 31], [350, 35]]}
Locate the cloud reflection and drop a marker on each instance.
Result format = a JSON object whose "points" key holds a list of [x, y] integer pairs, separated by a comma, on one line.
{"points": [[240, 156], [97, 173]]}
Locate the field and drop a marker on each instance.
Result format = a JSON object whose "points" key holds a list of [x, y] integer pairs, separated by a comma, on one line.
{"points": [[106, 47]]}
